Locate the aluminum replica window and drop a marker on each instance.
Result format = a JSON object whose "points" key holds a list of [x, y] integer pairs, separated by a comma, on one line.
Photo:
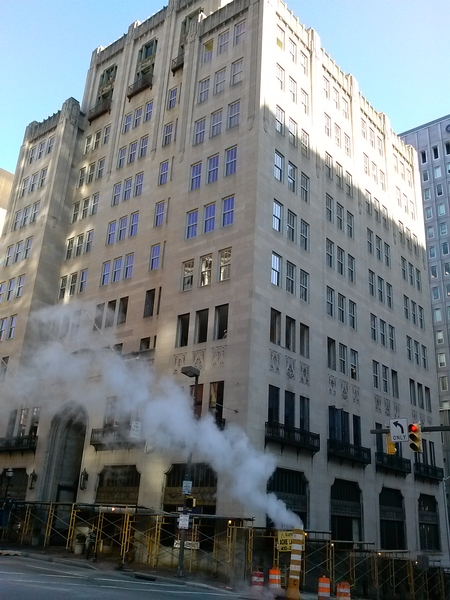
{"points": [[155, 255]]}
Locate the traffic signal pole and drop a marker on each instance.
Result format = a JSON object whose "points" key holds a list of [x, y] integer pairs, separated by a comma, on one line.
{"points": [[424, 429]]}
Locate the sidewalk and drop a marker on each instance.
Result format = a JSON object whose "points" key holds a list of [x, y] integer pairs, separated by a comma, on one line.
{"points": [[137, 570]]}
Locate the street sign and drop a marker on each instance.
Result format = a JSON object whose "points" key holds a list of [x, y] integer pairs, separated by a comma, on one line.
{"points": [[284, 541], [398, 429], [183, 522], [187, 488]]}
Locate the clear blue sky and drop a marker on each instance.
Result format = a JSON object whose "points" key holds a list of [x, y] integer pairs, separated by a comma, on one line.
{"points": [[397, 49]]}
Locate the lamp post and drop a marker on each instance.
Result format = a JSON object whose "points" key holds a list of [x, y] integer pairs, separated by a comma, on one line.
{"points": [[189, 371]]}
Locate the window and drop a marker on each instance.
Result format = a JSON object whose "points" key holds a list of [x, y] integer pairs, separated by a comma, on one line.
{"points": [[293, 89], [223, 42], [343, 359], [275, 327], [154, 257], [117, 269], [10, 290], [83, 280], [196, 176], [148, 111], [199, 131], [292, 177], [167, 136], [237, 71], [330, 301], [34, 179], [331, 354], [233, 113], [213, 168], [41, 149], [205, 270], [293, 51], [224, 264], [163, 172], [279, 120], [351, 268], [79, 246], [73, 284], [280, 77], [188, 275], [18, 251], [210, 217], [291, 222], [122, 228], [201, 326], [304, 144], [373, 327], [127, 185], [191, 226], [327, 125], [94, 206], [339, 216], [43, 177], [304, 187], [276, 269], [138, 183], [106, 133], [349, 224], [304, 285], [27, 249], [239, 32], [341, 308], [116, 194], [143, 145], [219, 81], [230, 161], [292, 132], [304, 235], [352, 314], [376, 374], [304, 340], [111, 233], [121, 157], [89, 240], [216, 123], [329, 208], [203, 90], [221, 322], [12, 327], [290, 277], [172, 100], [149, 303], [127, 123], [329, 252], [290, 334]]}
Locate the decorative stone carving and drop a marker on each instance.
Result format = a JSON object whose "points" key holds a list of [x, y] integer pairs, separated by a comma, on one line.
{"points": [[430, 421], [387, 407], [179, 361], [378, 403], [332, 385], [304, 373], [344, 389], [422, 419], [396, 406], [355, 393], [274, 361], [290, 367], [218, 357], [199, 359], [414, 416]]}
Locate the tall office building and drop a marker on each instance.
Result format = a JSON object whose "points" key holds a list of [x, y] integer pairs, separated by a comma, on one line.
{"points": [[432, 143], [224, 198]]}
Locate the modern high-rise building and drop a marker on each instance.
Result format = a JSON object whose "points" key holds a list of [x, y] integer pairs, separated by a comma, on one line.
{"points": [[432, 143], [223, 198]]}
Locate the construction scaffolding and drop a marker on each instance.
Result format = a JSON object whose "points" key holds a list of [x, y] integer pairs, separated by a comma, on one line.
{"points": [[227, 548]]}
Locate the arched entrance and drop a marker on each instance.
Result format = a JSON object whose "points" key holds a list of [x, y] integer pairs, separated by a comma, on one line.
{"points": [[64, 455]]}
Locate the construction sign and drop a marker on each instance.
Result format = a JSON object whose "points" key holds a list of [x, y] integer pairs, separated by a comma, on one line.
{"points": [[284, 541]]}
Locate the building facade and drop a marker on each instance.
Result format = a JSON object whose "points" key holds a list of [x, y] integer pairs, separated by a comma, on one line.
{"points": [[225, 198], [432, 143]]}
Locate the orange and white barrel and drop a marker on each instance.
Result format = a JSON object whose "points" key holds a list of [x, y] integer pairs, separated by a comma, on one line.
{"points": [[257, 584], [275, 579], [324, 588], [293, 589], [343, 590]]}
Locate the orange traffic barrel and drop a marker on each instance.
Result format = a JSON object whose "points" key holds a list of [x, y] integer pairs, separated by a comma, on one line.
{"points": [[257, 583], [343, 590], [324, 588], [274, 579]]}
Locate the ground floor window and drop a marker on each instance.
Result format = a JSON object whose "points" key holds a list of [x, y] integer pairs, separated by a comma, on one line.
{"points": [[346, 511], [392, 520]]}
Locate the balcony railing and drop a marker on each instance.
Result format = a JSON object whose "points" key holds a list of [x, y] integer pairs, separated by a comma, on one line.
{"points": [[107, 438], [291, 436], [144, 82], [18, 443], [428, 471], [390, 462], [347, 451], [177, 63], [100, 109]]}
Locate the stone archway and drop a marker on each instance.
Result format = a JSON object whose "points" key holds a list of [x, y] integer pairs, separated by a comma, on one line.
{"points": [[64, 454]]}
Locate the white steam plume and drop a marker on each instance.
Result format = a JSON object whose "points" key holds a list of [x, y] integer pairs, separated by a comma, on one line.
{"points": [[168, 421]]}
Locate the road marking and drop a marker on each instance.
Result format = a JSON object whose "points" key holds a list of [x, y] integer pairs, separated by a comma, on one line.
{"points": [[180, 592]]}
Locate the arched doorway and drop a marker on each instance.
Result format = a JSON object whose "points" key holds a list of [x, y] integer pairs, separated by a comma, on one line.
{"points": [[64, 455]]}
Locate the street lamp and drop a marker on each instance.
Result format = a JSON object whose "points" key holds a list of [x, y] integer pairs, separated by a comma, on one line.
{"points": [[189, 371]]}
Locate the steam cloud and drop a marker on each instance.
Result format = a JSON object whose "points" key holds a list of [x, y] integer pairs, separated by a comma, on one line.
{"points": [[167, 419]]}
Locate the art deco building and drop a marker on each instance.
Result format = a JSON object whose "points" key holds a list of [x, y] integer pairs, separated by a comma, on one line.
{"points": [[224, 197]]}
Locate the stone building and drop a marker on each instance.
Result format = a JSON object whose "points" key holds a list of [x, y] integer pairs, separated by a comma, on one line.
{"points": [[224, 198]]}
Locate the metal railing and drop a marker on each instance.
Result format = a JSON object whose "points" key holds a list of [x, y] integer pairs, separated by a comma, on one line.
{"points": [[99, 109], [178, 62], [144, 82], [393, 463], [292, 436], [114, 437], [349, 451], [429, 471], [20, 443]]}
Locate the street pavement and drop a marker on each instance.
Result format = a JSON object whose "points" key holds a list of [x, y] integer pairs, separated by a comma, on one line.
{"points": [[141, 578]]}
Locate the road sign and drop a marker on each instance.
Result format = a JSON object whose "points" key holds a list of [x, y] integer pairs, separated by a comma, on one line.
{"points": [[186, 488], [183, 522], [398, 429], [284, 541]]}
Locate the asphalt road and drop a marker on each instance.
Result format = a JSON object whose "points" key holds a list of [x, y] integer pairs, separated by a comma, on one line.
{"points": [[23, 578]]}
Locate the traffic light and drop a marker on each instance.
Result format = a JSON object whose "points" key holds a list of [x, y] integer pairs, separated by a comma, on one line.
{"points": [[190, 502], [391, 449], [415, 442]]}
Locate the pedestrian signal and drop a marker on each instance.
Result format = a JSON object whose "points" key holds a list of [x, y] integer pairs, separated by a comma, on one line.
{"points": [[415, 442]]}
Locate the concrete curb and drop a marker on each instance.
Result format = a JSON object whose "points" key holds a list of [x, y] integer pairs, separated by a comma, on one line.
{"points": [[47, 558]]}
